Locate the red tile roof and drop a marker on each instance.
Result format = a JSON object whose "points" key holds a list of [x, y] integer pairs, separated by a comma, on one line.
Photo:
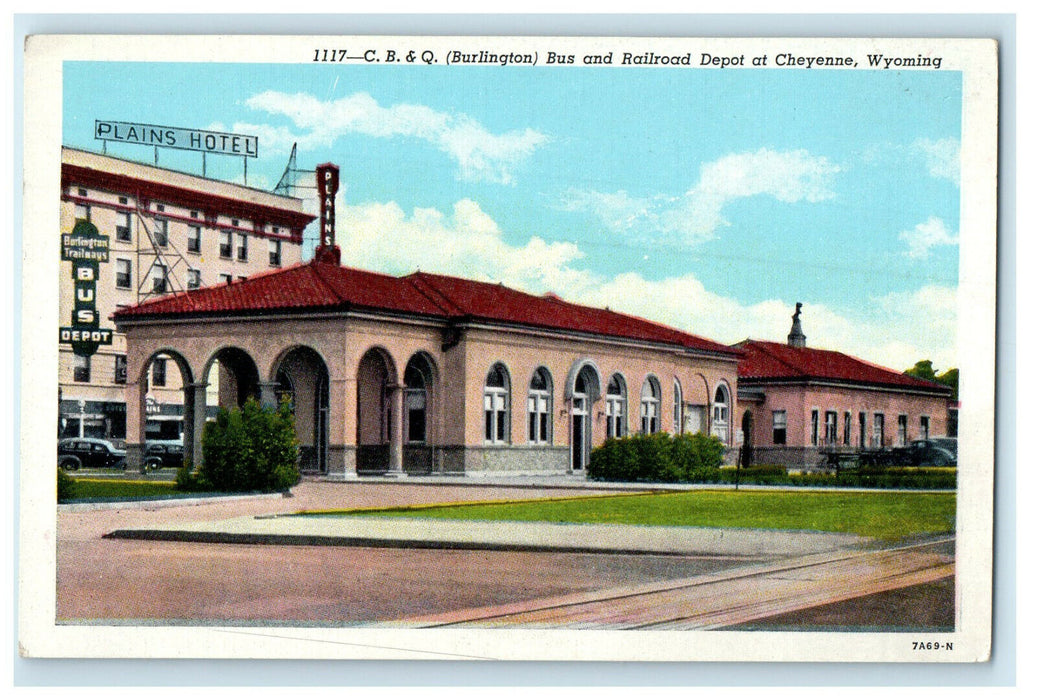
{"points": [[320, 286], [766, 361]]}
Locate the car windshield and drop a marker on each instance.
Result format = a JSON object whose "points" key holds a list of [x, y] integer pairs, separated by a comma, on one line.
{"points": [[949, 444]]}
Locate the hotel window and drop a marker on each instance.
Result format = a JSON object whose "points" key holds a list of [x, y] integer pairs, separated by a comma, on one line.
{"points": [[495, 404], [901, 430], [194, 239], [275, 253], [225, 278], [123, 273], [80, 368], [814, 418], [120, 369], [923, 427], [83, 212], [81, 192], [161, 233], [158, 278], [194, 279], [847, 427], [678, 408], [650, 406], [123, 226], [243, 247], [615, 407], [780, 422], [158, 371], [831, 427], [878, 438], [226, 248], [540, 407], [721, 413]]}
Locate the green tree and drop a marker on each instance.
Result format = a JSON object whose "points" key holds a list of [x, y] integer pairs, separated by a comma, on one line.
{"points": [[923, 369]]}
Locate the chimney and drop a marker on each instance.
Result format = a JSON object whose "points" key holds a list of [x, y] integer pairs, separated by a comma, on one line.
{"points": [[796, 337]]}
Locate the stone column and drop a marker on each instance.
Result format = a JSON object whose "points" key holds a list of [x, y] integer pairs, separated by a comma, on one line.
{"points": [[136, 418], [396, 431], [194, 422], [268, 394]]}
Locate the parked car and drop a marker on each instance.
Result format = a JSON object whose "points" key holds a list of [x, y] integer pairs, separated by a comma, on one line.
{"points": [[91, 453], [163, 453], [935, 452]]}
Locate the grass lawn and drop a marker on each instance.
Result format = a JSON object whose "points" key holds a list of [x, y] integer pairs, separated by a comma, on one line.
{"points": [[888, 516], [124, 488]]}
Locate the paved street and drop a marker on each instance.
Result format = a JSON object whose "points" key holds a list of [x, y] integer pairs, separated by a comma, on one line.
{"points": [[175, 581]]}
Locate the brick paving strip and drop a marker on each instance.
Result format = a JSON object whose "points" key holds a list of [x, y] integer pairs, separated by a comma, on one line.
{"points": [[723, 599]]}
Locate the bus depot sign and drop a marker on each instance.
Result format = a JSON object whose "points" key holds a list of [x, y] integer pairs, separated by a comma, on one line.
{"points": [[215, 142], [86, 249]]}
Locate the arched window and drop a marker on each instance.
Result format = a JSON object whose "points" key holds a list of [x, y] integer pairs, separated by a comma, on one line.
{"points": [[495, 404], [416, 381], [721, 413], [540, 407], [650, 394], [678, 407], [615, 407]]}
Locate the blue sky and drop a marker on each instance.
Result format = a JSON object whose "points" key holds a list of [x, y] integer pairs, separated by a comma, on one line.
{"points": [[711, 200]]}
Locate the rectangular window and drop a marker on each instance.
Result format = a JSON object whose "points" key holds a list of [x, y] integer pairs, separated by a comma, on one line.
{"points": [[243, 247], [923, 427], [879, 431], [846, 428], [901, 430], [158, 278], [123, 226], [538, 415], [83, 212], [194, 279], [158, 371], [226, 249], [225, 278], [80, 368], [123, 273], [120, 369], [780, 421], [194, 239], [862, 437], [275, 253], [161, 233], [814, 419], [414, 400], [831, 428]]}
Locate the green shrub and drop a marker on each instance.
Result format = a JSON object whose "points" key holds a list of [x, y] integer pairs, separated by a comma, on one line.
{"points": [[659, 458], [249, 449], [66, 486], [187, 479]]}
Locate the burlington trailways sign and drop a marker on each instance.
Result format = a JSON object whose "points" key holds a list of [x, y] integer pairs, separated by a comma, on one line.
{"points": [[86, 249]]}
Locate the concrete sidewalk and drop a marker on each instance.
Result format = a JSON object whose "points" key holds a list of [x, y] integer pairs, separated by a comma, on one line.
{"points": [[432, 533]]}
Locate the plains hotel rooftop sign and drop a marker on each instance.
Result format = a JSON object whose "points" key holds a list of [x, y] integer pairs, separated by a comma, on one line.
{"points": [[176, 137]]}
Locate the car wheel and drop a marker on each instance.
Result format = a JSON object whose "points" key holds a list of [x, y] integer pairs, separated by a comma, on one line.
{"points": [[70, 464], [152, 464]]}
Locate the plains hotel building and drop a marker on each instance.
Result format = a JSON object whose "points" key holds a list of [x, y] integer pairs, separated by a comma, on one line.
{"points": [[168, 232]]}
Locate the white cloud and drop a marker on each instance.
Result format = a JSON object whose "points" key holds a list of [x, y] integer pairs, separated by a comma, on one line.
{"points": [[467, 242], [926, 235], [695, 216], [942, 157], [479, 154]]}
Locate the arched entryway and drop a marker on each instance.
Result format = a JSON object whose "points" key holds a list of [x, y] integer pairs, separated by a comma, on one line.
{"points": [[163, 408], [582, 390], [375, 378], [233, 377], [301, 377], [419, 431]]}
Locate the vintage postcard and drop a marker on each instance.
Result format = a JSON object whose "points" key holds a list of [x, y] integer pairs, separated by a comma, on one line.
{"points": [[508, 348]]}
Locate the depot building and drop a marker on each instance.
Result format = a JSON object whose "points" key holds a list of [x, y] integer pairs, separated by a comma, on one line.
{"points": [[426, 373]]}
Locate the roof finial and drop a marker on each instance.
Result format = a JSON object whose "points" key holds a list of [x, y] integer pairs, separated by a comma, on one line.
{"points": [[796, 337]]}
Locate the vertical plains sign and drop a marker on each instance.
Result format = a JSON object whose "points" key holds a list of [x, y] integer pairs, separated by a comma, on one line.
{"points": [[327, 186], [176, 137], [86, 249]]}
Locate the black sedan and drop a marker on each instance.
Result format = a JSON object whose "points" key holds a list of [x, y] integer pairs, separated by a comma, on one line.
{"points": [[163, 453], [91, 453]]}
